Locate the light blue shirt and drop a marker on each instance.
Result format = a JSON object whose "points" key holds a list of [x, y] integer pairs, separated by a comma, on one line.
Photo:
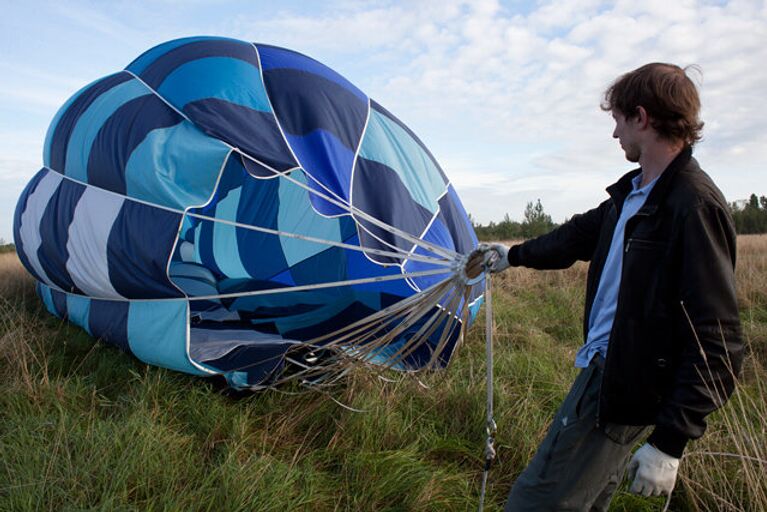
{"points": [[606, 299]]}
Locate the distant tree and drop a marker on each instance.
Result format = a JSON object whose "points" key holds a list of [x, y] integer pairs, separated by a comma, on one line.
{"points": [[751, 218], [537, 222]]}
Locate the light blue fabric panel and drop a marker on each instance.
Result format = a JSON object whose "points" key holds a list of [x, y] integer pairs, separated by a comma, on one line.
{"points": [[225, 247], [388, 144], [45, 294], [296, 215], [157, 334], [225, 78], [78, 309], [175, 167], [91, 121]]}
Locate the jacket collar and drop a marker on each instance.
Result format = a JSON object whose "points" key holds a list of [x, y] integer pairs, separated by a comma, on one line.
{"points": [[621, 188]]}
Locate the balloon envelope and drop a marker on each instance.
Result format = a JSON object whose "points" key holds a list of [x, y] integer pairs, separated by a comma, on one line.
{"points": [[219, 203]]}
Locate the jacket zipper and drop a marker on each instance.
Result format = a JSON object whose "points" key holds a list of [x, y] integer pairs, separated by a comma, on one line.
{"points": [[640, 213]]}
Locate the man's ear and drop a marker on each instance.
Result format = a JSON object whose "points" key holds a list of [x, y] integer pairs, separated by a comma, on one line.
{"points": [[642, 118]]}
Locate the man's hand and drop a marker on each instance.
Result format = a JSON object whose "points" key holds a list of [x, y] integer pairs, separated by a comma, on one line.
{"points": [[496, 257], [652, 471], [487, 257]]}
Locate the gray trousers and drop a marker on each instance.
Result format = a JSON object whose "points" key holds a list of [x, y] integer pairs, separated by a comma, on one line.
{"points": [[578, 466]]}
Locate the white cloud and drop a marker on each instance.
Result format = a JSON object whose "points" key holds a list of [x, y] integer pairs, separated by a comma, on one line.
{"points": [[505, 95]]}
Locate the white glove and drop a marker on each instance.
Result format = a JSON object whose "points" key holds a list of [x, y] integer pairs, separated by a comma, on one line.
{"points": [[652, 471], [496, 257]]}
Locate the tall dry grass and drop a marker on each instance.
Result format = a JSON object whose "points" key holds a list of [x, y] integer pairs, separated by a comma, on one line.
{"points": [[83, 426]]}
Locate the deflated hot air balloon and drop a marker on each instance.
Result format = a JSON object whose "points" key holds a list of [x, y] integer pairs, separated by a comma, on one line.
{"points": [[228, 208]]}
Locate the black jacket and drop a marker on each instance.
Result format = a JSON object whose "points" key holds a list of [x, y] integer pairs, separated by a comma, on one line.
{"points": [[675, 347]]}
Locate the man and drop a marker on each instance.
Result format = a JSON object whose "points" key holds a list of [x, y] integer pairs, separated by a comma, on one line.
{"points": [[662, 342]]}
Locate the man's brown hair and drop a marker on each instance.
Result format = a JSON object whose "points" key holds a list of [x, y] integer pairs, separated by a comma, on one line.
{"points": [[666, 93]]}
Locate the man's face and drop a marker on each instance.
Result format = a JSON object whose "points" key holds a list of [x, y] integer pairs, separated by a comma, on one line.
{"points": [[626, 133]]}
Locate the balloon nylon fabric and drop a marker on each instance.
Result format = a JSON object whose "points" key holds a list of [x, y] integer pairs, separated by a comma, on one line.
{"points": [[219, 204]]}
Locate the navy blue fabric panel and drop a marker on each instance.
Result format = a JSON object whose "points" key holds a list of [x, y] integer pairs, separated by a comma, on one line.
{"points": [[454, 217], [356, 311], [254, 132], [119, 136], [138, 249], [21, 206], [304, 102], [257, 169], [274, 57], [60, 303], [108, 320], [262, 362], [54, 233], [69, 119], [379, 192], [327, 266], [380, 109], [156, 72], [261, 253]]}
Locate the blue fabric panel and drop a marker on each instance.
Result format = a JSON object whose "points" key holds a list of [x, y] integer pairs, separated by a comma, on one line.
{"points": [[59, 300], [46, 296], [261, 253], [260, 363], [327, 266], [154, 74], [226, 250], [59, 140], [437, 234], [354, 312], [304, 102], [138, 249], [121, 134], [273, 57], [254, 132], [381, 110], [329, 163], [91, 123], [176, 167], [108, 321], [295, 217], [55, 122], [457, 221], [157, 334], [225, 78], [21, 206], [78, 308], [54, 233], [358, 266], [256, 169], [386, 142], [284, 278], [148, 57], [379, 192]]}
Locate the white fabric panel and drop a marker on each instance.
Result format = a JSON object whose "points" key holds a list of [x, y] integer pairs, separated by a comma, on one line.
{"points": [[87, 245], [29, 230]]}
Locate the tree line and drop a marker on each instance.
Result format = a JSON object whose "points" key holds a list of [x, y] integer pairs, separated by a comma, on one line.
{"points": [[750, 218]]}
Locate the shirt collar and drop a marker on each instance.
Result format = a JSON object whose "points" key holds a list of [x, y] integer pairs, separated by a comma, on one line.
{"points": [[636, 180]]}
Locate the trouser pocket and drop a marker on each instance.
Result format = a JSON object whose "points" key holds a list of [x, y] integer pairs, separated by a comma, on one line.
{"points": [[624, 434]]}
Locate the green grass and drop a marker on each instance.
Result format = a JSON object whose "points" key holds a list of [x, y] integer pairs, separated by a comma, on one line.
{"points": [[86, 427]]}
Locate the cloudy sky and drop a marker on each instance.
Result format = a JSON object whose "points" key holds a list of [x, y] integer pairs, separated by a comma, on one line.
{"points": [[505, 94]]}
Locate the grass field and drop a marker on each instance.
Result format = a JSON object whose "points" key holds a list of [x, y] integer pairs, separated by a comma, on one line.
{"points": [[86, 427]]}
